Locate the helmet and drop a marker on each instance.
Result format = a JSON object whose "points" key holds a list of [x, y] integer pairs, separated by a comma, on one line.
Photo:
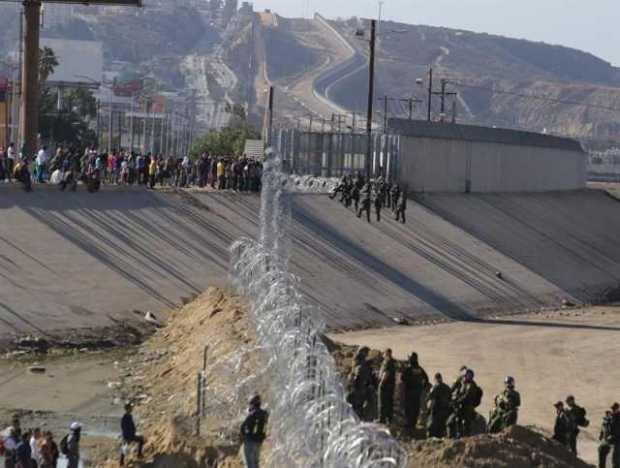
{"points": [[469, 373], [75, 426], [255, 400], [509, 380]]}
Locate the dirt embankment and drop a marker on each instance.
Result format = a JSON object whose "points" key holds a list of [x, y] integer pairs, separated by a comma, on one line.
{"points": [[517, 447], [162, 379]]}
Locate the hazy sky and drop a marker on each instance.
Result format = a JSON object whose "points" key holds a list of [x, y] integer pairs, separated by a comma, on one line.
{"points": [[590, 25]]}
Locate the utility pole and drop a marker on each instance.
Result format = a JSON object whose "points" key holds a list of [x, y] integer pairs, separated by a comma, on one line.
{"points": [[430, 93], [131, 117], [7, 104], [270, 126], [162, 123], [110, 123], [371, 94], [29, 114], [16, 119], [443, 95], [385, 114], [411, 102], [152, 147], [120, 129], [144, 119]]}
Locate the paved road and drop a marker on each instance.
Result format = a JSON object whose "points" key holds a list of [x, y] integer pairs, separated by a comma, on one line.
{"points": [[81, 261]]}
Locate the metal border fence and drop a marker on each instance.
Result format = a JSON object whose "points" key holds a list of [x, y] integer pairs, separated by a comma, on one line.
{"points": [[336, 154]]}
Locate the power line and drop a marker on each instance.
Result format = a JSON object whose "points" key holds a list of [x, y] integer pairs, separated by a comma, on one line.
{"points": [[535, 96]]}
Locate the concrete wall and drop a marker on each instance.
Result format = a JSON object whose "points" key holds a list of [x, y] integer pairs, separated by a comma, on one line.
{"points": [[449, 165]]}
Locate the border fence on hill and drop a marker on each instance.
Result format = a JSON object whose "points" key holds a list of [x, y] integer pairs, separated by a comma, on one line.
{"points": [[336, 154]]}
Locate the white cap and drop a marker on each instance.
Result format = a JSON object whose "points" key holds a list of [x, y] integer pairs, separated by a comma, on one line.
{"points": [[75, 426]]}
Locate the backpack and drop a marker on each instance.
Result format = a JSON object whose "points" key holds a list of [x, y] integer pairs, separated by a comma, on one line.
{"points": [[580, 417], [64, 445], [478, 393]]}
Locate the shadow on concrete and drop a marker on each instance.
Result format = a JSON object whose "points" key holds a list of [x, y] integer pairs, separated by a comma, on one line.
{"points": [[568, 238], [343, 245], [19, 317], [462, 265], [136, 242]]}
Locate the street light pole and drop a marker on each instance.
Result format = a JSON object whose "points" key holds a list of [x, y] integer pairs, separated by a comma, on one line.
{"points": [[98, 125], [371, 94], [110, 123], [430, 93], [131, 117]]}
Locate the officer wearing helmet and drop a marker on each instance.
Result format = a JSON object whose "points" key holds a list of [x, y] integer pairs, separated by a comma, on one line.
{"points": [[464, 403], [506, 410], [360, 384]]}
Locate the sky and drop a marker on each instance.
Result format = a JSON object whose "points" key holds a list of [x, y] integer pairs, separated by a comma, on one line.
{"points": [[589, 25]]}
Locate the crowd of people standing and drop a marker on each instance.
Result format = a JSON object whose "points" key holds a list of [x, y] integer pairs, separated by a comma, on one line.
{"points": [[36, 449], [66, 167]]}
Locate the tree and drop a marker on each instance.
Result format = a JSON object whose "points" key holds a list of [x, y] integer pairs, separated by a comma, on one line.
{"points": [[69, 125], [229, 141], [82, 102], [47, 64]]}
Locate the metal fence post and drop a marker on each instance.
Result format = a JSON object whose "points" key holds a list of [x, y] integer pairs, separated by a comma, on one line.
{"points": [[198, 401]]}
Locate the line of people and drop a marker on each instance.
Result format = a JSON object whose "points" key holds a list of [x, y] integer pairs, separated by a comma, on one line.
{"points": [[364, 195], [35, 449], [29, 448], [68, 166], [451, 410]]}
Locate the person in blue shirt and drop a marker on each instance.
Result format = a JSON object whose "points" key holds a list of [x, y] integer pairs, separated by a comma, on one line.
{"points": [[128, 429]]}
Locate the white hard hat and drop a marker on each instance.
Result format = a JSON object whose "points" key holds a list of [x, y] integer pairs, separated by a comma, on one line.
{"points": [[75, 426]]}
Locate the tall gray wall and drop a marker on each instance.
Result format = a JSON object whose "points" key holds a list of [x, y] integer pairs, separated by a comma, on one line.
{"points": [[449, 165]]}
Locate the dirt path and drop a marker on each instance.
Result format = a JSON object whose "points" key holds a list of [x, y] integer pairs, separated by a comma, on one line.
{"points": [[550, 356]]}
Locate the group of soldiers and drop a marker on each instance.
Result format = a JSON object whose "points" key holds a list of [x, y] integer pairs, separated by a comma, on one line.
{"points": [[364, 194], [450, 410], [570, 417]]}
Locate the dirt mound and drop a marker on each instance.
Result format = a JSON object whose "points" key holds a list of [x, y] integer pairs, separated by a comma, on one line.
{"points": [[162, 380], [518, 447]]}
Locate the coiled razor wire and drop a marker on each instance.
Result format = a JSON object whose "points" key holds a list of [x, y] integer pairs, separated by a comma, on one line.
{"points": [[311, 423]]}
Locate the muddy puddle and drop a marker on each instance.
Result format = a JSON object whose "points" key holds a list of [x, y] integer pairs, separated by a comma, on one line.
{"points": [[50, 392]]}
